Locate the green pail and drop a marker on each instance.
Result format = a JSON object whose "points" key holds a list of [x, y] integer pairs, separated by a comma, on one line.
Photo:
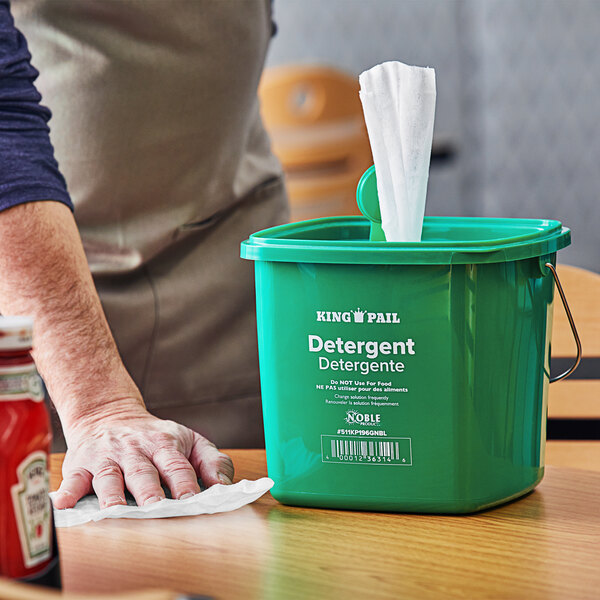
{"points": [[405, 376]]}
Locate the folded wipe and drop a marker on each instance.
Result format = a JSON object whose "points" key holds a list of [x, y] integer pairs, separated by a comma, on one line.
{"points": [[399, 107], [217, 498]]}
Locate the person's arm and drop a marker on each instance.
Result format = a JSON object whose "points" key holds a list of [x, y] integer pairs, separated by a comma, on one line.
{"points": [[111, 437], [112, 440]]}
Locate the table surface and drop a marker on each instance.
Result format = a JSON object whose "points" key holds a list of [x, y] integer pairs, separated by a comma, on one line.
{"points": [[546, 545]]}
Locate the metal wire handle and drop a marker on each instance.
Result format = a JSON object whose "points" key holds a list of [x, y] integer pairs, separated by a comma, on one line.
{"points": [[571, 323]]}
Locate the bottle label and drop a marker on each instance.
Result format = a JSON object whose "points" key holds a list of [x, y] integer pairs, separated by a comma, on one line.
{"points": [[32, 509], [20, 383]]}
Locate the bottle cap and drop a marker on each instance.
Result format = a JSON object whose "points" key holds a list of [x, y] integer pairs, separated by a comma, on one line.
{"points": [[16, 333]]}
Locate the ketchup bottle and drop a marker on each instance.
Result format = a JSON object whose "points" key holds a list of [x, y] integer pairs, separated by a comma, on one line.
{"points": [[28, 549]]}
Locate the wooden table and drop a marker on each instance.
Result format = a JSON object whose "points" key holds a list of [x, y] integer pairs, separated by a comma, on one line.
{"points": [[546, 545]]}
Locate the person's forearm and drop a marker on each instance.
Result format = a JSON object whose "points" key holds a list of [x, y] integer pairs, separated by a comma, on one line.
{"points": [[113, 442], [44, 274]]}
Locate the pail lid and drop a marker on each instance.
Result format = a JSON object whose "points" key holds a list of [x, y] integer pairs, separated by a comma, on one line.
{"points": [[445, 240], [16, 333]]}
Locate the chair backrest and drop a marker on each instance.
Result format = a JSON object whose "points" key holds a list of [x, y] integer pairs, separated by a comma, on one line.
{"points": [[578, 396], [314, 117], [300, 95]]}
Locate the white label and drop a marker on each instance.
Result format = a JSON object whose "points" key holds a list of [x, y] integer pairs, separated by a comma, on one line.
{"points": [[32, 509], [20, 383], [367, 451]]}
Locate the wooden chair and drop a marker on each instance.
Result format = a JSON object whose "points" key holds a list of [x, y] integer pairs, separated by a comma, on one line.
{"points": [[577, 398], [314, 117]]}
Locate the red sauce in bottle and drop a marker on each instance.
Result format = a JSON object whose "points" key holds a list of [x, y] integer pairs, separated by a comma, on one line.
{"points": [[28, 548]]}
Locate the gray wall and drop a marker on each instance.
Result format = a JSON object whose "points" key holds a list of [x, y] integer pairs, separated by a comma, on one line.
{"points": [[518, 96]]}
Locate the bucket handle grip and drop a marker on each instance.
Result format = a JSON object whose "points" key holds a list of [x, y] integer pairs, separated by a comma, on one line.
{"points": [[571, 323]]}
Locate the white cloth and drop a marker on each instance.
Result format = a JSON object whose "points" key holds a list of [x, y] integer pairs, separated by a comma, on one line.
{"points": [[217, 498], [399, 107]]}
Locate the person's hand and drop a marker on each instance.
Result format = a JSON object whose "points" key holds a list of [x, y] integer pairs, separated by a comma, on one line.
{"points": [[130, 448]]}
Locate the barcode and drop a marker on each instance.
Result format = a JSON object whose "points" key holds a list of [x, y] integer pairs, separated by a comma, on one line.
{"points": [[356, 450], [364, 448]]}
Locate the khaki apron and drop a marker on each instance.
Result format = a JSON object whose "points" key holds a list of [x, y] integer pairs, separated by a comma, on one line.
{"points": [[157, 131]]}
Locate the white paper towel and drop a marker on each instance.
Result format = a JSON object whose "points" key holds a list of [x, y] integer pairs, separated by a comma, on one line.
{"points": [[399, 107], [217, 498]]}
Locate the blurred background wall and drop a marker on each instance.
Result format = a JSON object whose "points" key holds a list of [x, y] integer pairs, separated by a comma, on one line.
{"points": [[518, 96]]}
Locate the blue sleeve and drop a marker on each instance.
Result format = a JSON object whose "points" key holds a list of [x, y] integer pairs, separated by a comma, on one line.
{"points": [[28, 169]]}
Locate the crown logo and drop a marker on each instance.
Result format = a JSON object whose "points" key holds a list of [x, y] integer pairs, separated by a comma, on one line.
{"points": [[359, 315]]}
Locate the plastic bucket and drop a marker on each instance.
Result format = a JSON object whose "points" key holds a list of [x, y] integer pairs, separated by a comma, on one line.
{"points": [[405, 376]]}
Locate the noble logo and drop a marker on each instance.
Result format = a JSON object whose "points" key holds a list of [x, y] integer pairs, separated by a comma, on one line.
{"points": [[356, 316], [354, 417]]}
